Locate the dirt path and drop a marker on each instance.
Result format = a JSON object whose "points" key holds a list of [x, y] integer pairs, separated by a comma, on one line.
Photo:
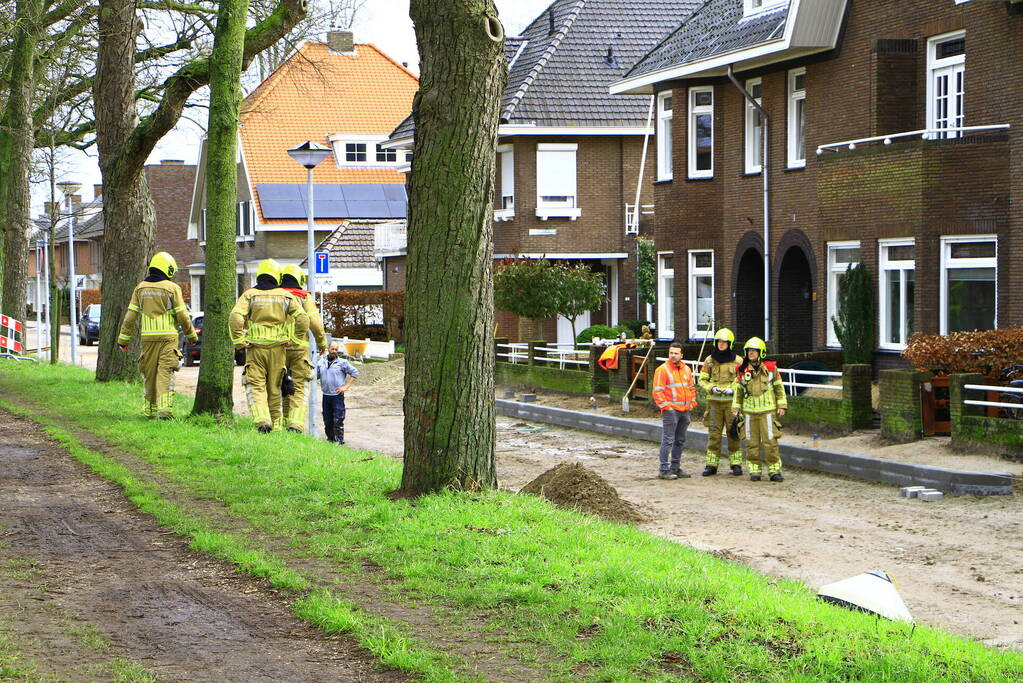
{"points": [[959, 562], [86, 579]]}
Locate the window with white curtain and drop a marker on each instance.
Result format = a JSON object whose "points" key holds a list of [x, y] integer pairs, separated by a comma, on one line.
{"points": [[897, 269], [701, 132], [841, 256], [754, 128], [665, 296], [506, 201], [797, 118], [946, 83], [664, 145], [701, 294], [556, 180], [969, 286]]}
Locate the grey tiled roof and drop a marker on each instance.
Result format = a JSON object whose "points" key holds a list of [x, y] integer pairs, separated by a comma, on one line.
{"points": [[561, 77], [86, 227], [715, 28], [351, 245]]}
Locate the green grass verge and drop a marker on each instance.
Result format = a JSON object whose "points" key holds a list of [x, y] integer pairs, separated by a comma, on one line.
{"points": [[589, 599]]}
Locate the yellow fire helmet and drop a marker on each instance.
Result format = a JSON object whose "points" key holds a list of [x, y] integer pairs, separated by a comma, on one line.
{"points": [[271, 268], [296, 272], [164, 263], [725, 335], [756, 343]]}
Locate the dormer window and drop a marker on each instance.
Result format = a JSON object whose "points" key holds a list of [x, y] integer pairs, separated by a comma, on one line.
{"points": [[755, 6], [355, 152], [367, 151]]}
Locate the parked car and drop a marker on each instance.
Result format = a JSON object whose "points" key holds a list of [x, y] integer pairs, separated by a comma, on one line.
{"points": [[192, 352], [88, 325]]}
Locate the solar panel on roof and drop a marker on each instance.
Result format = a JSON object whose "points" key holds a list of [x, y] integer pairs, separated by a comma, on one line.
{"points": [[280, 191], [330, 208], [395, 193], [360, 209], [283, 209], [365, 193], [397, 209]]}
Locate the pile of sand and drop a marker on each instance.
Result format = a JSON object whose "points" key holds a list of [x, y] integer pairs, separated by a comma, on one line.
{"points": [[570, 485], [386, 379]]}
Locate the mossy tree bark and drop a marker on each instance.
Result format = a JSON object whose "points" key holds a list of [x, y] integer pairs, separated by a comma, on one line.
{"points": [[214, 393], [449, 311], [125, 143], [17, 138]]}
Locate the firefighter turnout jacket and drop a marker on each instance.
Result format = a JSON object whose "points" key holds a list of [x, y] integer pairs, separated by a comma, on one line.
{"points": [[268, 317], [759, 389], [160, 308], [720, 375], [674, 387], [315, 321]]}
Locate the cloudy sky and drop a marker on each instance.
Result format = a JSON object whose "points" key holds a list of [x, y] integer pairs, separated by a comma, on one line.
{"points": [[383, 22]]}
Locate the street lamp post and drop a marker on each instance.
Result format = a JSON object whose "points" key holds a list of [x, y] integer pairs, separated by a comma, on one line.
{"points": [[39, 300], [69, 187], [310, 154]]}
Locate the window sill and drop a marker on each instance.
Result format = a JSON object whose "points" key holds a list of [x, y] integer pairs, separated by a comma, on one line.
{"points": [[504, 214], [543, 213], [667, 181], [751, 174], [801, 167], [700, 178], [890, 349]]}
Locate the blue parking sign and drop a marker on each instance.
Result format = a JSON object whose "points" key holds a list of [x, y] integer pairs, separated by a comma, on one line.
{"points": [[322, 263]]}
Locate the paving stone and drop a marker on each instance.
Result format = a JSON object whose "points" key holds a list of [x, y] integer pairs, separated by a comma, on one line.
{"points": [[929, 496], [911, 491]]}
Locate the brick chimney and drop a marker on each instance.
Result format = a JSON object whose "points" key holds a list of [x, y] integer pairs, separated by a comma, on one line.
{"points": [[97, 191], [341, 42], [172, 162], [50, 207]]}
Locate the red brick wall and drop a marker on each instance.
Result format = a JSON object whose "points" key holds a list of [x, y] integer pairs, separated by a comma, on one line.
{"points": [[863, 88], [171, 187]]}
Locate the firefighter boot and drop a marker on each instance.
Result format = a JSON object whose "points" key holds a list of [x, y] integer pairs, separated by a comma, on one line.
{"points": [[736, 470], [710, 471]]}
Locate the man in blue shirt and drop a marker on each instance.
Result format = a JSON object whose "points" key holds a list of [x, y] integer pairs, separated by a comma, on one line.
{"points": [[336, 375]]}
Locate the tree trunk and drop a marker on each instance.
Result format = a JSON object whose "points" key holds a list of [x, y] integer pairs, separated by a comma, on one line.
{"points": [[17, 138], [128, 214], [449, 309], [214, 393]]}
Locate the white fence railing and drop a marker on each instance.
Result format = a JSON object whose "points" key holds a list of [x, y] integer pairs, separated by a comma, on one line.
{"points": [[791, 385], [1000, 390], [516, 353], [951, 132]]}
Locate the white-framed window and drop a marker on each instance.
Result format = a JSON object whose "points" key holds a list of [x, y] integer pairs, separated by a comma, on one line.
{"points": [[665, 295], [841, 256], [897, 283], [969, 285], [556, 180], [946, 83], [701, 132], [386, 156], [754, 128], [506, 201], [797, 118], [701, 294], [355, 153], [244, 222], [754, 6], [665, 166]]}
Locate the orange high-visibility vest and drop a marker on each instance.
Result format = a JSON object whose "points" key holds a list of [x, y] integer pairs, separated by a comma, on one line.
{"points": [[674, 388]]}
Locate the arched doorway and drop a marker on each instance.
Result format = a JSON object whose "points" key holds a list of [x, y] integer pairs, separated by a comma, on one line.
{"points": [[795, 302], [749, 296]]}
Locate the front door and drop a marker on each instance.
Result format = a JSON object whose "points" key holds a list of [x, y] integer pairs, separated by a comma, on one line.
{"points": [[565, 327]]}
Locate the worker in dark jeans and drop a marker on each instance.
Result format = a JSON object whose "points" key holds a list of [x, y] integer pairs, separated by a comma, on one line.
{"points": [[336, 375]]}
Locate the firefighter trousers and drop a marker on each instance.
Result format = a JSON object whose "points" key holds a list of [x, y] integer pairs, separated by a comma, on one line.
{"points": [[296, 407], [717, 419], [160, 360], [264, 366], [762, 433]]}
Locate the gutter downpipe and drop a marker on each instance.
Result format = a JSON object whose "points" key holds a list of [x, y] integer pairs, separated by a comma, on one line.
{"points": [[639, 190], [767, 212]]}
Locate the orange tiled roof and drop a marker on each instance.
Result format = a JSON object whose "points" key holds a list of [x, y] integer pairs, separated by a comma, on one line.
{"points": [[315, 94]]}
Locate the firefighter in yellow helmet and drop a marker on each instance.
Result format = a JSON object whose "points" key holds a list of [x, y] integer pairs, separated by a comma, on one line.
{"points": [[760, 395], [293, 279], [717, 379], [158, 304], [265, 321]]}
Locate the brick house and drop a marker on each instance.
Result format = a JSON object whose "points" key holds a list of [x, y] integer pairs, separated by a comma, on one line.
{"points": [[340, 94], [569, 153], [170, 184], [867, 161]]}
